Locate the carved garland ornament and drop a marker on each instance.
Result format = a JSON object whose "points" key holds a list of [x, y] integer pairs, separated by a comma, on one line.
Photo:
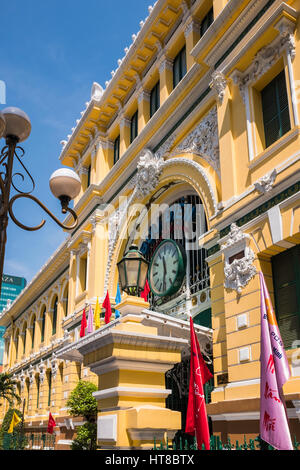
{"points": [[240, 271]]}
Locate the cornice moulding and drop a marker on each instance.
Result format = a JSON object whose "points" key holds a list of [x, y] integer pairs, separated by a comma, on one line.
{"points": [[252, 36]]}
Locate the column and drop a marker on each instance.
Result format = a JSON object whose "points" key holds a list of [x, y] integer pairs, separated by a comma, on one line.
{"points": [[102, 159], [131, 372], [72, 281], [165, 78], [216, 269], [226, 140], [192, 36], [124, 134], [98, 255], [143, 109]]}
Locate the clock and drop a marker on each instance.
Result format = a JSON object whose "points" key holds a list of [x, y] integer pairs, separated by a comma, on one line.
{"points": [[167, 268]]}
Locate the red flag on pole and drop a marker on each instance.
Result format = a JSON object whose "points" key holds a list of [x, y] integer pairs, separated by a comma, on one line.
{"points": [[146, 291], [107, 306], [196, 419], [51, 424], [83, 324]]}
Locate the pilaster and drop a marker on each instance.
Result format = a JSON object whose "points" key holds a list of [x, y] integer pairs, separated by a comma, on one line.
{"points": [[165, 78], [124, 134], [192, 36], [143, 108], [226, 139]]}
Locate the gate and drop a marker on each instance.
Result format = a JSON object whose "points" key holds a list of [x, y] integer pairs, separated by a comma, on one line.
{"points": [[178, 379]]}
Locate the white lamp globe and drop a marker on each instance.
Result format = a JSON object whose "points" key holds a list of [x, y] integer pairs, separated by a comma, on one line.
{"points": [[65, 183], [18, 124]]}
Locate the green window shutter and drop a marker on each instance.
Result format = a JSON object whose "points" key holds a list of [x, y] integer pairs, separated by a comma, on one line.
{"points": [[116, 149], [154, 99], [179, 67], [43, 325], [134, 127], [89, 176], [37, 391], [49, 389], [33, 333], [286, 281], [275, 109], [54, 318]]}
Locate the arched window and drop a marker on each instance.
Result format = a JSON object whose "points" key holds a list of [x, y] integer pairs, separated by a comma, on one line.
{"points": [[37, 390], [17, 342], [33, 332], [54, 318], [43, 318], [24, 337], [49, 387], [66, 300]]}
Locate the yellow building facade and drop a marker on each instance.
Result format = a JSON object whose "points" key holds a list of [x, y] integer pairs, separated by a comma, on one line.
{"points": [[195, 138]]}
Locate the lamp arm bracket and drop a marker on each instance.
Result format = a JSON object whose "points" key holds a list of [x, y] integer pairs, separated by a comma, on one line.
{"points": [[37, 227]]}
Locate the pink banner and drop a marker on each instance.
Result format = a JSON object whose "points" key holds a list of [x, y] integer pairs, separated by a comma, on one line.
{"points": [[274, 374]]}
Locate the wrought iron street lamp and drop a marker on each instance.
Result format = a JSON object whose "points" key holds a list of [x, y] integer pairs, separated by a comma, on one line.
{"points": [[15, 127], [133, 269]]}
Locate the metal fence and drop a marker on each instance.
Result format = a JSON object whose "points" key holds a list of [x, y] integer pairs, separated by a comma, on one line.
{"points": [[41, 441], [34, 441], [14, 441], [216, 444]]}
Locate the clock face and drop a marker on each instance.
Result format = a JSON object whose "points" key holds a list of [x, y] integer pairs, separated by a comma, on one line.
{"points": [[167, 268]]}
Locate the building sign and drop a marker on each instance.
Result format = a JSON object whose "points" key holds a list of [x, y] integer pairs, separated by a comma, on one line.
{"points": [[10, 289]]}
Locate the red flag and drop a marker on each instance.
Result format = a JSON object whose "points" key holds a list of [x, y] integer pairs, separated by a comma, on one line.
{"points": [[146, 291], [83, 324], [196, 419], [51, 424], [107, 306]]}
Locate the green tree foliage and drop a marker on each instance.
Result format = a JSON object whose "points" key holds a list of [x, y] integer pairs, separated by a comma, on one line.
{"points": [[7, 388], [82, 403], [86, 437]]}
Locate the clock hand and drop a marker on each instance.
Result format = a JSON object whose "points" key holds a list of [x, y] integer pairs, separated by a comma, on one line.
{"points": [[165, 267], [165, 272]]}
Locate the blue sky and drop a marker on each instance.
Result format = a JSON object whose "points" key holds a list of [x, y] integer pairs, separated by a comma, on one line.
{"points": [[51, 53]]}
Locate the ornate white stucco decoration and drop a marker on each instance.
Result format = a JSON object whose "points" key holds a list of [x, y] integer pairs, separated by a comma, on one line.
{"points": [[22, 380], [149, 169], [265, 184], [42, 368], [240, 271], [96, 92], [204, 140], [54, 365], [218, 84], [31, 373], [266, 57], [164, 149]]}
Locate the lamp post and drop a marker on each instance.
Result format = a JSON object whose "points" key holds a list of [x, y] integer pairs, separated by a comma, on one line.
{"points": [[15, 127], [133, 270]]}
